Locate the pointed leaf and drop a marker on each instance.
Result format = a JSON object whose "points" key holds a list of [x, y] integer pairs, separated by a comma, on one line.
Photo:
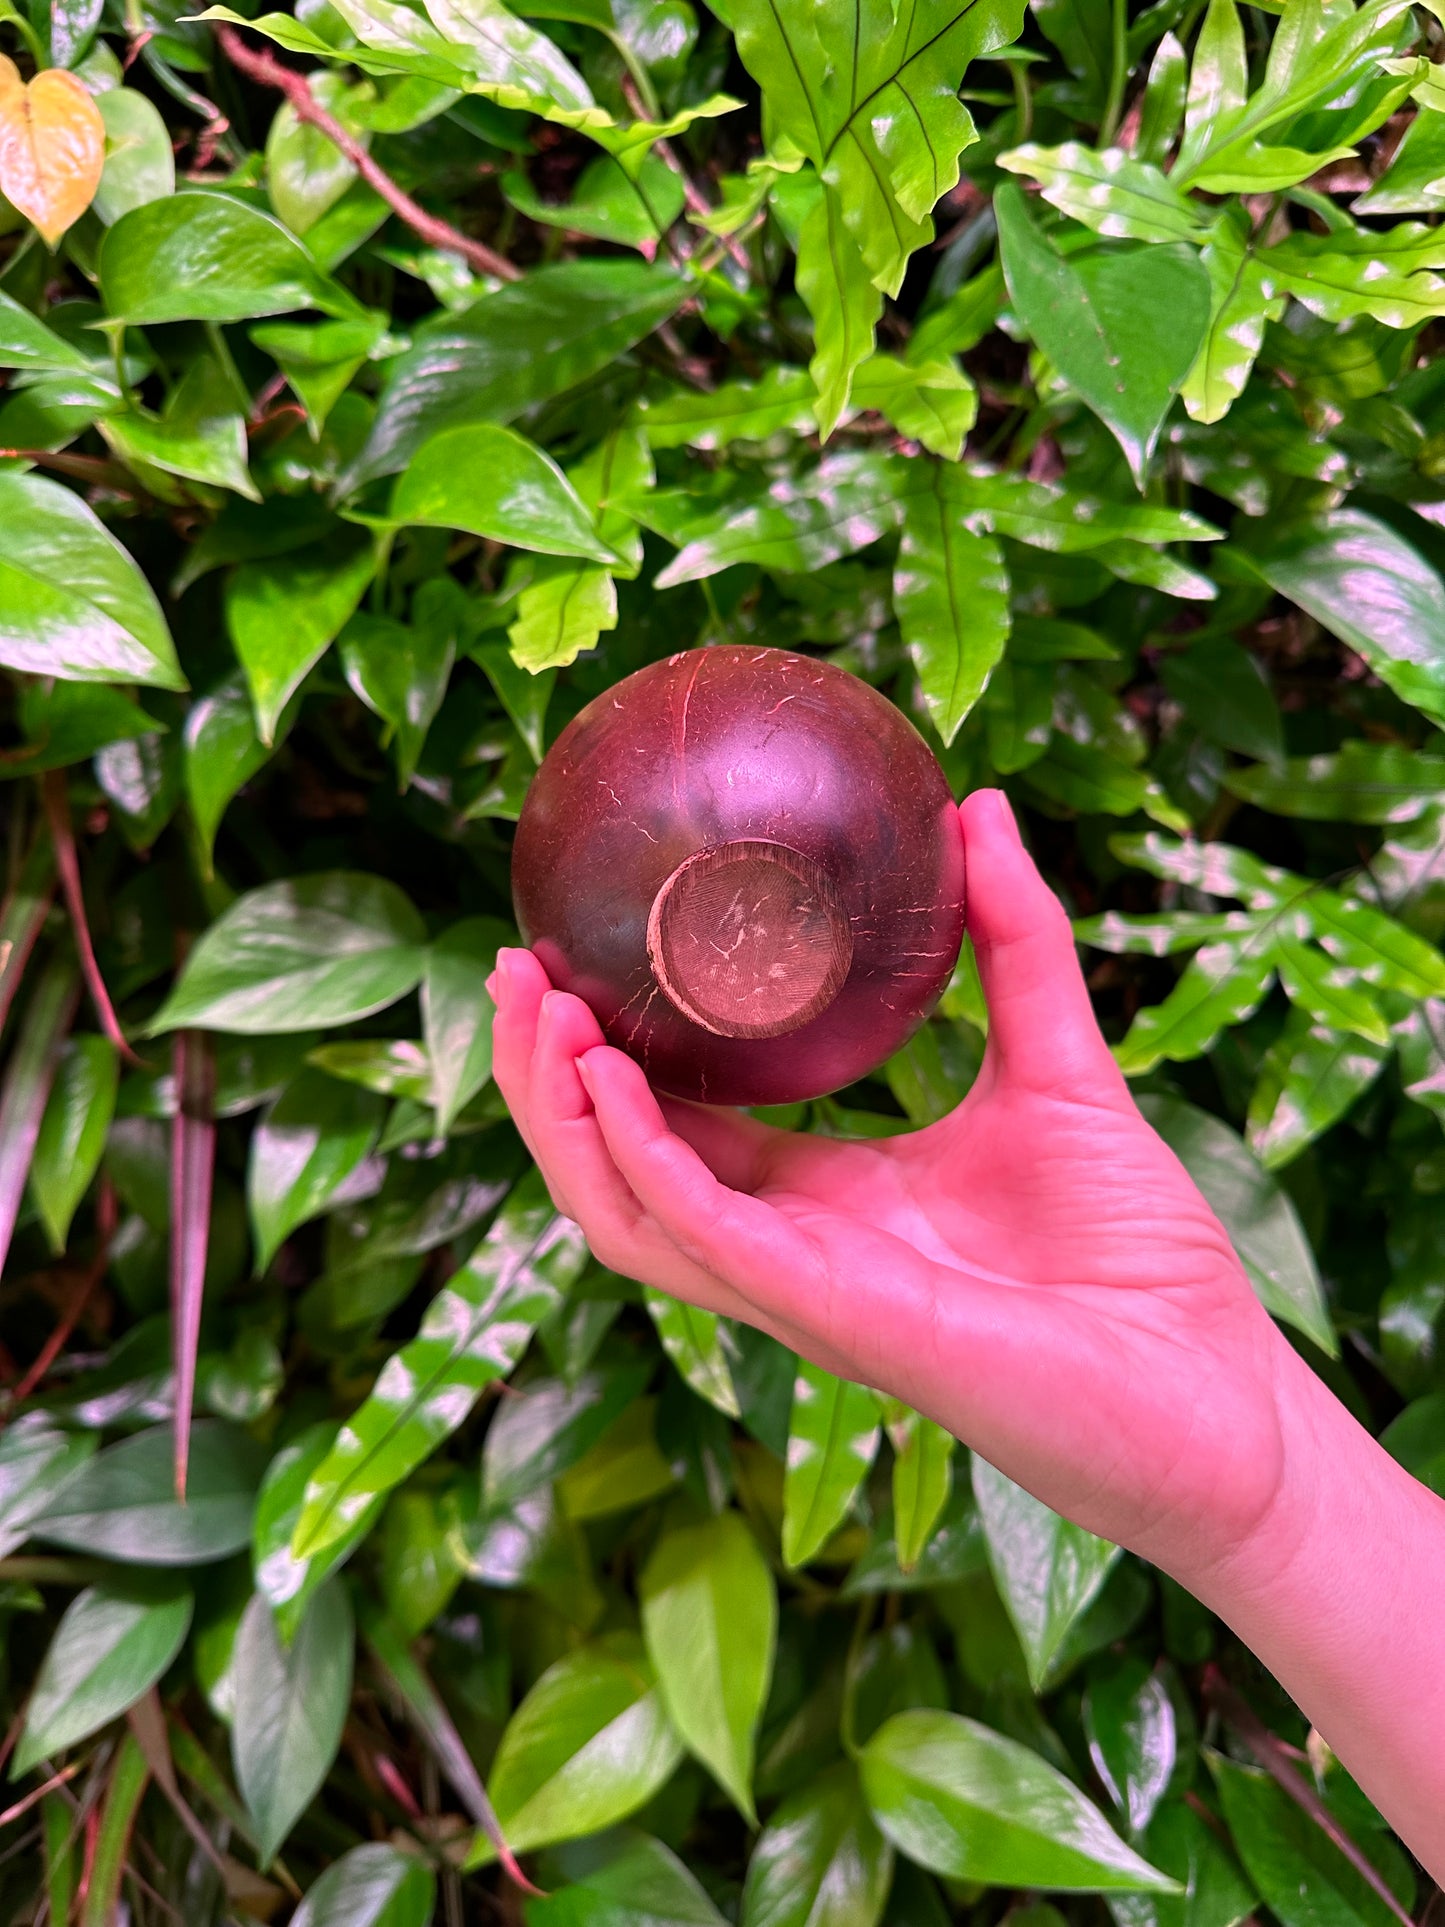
{"points": [[1048, 1570], [699, 1345], [964, 1801], [36, 1459], [493, 482], [122, 1505], [709, 1616], [1242, 300], [588, 1746], [950, 589], [72, 1132], [284, 613], [1330, 992], [197, 256], [561, 612], [474, 1331], [820, 1861], [622, 1879], [1133, 1738], [310, 1142], [300, 955], [1122, 198], [372, 1886], [833, 1438], [1310, 1077], [832, 277], [52, 147], [1223, 984], [72, 602], [922, 1482], [29, 1076], [1253, 1209], [291, 1704], [457, 1012]]}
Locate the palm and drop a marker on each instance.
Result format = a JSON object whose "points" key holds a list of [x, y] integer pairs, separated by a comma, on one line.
{"points": [[1036, 1271]]}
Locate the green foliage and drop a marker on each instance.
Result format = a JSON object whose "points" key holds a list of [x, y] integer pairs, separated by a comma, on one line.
{"points": [[1072, 375]]}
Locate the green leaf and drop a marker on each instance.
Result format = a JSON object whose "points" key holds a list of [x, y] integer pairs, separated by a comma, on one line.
{"points": [[1367, 586], [286, 1582], [1414, 182], [950, 589], [964, 1801], [400, 672], [922, 1482], [72, 1132], [1310, 1077], [300, 955], [1168, 932], [781, 401], [606, 202], [549, 1425], [932, 402], [1133, 1737], [457, 1012], [1048, 1571], [888, 143], [283, 614], [562, 611], [372, 1886], [588, 1746], [26, 342], [72, 602], [68, 722], [290, 1707], [820, 1861], [1163, 108], [1122, 198], [1359, 783], [1225, 696], [198, 256], [833, 1435], [1242, 300], [112, 1644], [140, 164], [310, 1142], [493, 482], [1329, 991], [36, 1459], [200, 435], [1222, 985], [832, 277], [1300, 1874], [797, 525], [1122, 325], [547, 333], [1218, 81], [1256, 1213], [306, 173], [122, 1504], [1391, 277], [221, 752], [699, 1345], [1215, 1893], [622, 1879], [1417, 1439], [709, 1616], [474, 1331]]}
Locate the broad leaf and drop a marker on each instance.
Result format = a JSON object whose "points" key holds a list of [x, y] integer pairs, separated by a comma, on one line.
{"points": [[1223, 984], [140, 163], [372, 1886], [208, 257], [113, 1642], [284, 613], [1048, 1571], [1117, 196], [833, 1438], [300, 955], [950, 590], [290, 1707], [1360, 783], [1146, 310], [1309, 1078], [122, 1504], [221, 753], [72, 1132], [587, 1747], [52, 147], [36, 1459], [311, 1141], [820, 1861], [457, 1011], [1215, 1892], [72, 602], [964, 1801], [844, 504], [699, 1345], [622, 1879], [493, 482], [549, 1425], [1133, 1737], [709, 1616], [1253, 1209], [400, 671]]}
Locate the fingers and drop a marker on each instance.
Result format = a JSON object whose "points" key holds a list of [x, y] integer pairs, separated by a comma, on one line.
{"points": [[739, 1240], [1041, 1023], [520, 984], [737, 1149]]}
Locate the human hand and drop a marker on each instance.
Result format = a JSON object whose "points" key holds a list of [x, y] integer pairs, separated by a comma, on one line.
{"points": [[1036, 1272]]}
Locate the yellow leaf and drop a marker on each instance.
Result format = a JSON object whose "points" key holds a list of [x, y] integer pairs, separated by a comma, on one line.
{"points": [[52, 147]]}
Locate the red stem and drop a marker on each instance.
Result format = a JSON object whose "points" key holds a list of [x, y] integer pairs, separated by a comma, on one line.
{"points": [[50, 1351], [57, 810], [267, 71], [1274, 1756], [193, 1156]]}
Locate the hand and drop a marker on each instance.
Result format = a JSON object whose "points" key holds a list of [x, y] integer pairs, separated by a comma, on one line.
{"points": [[1036, 1272]]}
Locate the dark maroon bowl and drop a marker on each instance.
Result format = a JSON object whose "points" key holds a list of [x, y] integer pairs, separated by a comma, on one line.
{"points": [[749, 865]]}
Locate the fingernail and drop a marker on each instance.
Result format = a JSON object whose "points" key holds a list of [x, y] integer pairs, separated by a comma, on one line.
{"points": [[584, 1071], [551, 1006], [1004, 810]]}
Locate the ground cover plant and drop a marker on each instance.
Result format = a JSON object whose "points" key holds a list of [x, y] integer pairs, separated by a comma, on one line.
{"points": [[1069, 374]]}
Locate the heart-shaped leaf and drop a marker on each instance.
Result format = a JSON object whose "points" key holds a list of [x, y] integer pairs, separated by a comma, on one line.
{"points": [[52, 147]]}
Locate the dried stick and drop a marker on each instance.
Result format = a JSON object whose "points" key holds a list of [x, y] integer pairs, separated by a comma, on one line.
{"points": [[267, 71]]}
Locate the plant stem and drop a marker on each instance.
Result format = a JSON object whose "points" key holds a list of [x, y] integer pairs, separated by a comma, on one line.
{"points": [[1118, 74], [267, 71]]}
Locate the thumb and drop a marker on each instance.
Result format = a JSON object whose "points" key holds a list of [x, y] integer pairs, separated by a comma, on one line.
{"points": [[1041, 1022]]}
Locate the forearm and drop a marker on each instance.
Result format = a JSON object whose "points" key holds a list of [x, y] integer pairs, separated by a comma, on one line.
{"points": [[1341, 1593]]}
